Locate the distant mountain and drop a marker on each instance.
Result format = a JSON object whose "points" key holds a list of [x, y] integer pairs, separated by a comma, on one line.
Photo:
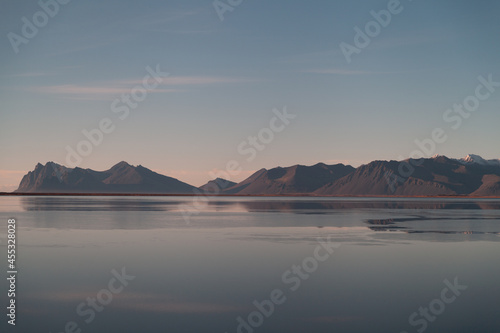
{"points": [[121, 178], [216, 186], [431, 177], [476, 159], [297, 179], [436, 176]]}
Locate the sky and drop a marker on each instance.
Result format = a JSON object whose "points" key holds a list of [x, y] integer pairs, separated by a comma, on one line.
{"points": [[352, 88]]}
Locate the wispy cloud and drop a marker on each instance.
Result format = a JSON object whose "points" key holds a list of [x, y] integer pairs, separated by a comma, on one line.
{"points": [[80, 92], [195, 80], [110, 90], [142, 303], [351, 72], [335, 55], [340, 71]]}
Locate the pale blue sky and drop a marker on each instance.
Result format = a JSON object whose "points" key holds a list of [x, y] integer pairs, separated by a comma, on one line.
{"points": [[227, 76]]}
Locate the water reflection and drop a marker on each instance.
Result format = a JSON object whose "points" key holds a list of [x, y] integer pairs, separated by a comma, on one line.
{"points": [[409, 216], [61, 203], [201, 276], [465, 225], [305, 205]]}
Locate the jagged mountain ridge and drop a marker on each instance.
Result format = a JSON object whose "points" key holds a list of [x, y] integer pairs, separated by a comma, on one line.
{"points": [[121, 178], [428, 177], [436, 176]]}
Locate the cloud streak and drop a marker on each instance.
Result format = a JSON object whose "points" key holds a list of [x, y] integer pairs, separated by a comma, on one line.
{"points": [[110, 90], [339, 71], [142, 303]]}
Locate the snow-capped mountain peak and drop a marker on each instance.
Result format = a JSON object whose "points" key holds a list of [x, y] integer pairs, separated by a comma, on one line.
{"points": [[476, 159]]}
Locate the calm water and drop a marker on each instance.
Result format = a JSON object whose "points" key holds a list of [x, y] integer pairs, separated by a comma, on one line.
{"points": [[254, 265]]}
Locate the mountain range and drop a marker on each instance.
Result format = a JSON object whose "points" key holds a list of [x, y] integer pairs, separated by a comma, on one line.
{"points": [[121, 178], [436, 176]]}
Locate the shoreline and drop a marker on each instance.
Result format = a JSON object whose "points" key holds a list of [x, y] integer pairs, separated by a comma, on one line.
{"points": [[243, 195]]}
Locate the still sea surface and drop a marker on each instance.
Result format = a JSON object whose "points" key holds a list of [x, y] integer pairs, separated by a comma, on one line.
{"points": [[239, 264]]}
